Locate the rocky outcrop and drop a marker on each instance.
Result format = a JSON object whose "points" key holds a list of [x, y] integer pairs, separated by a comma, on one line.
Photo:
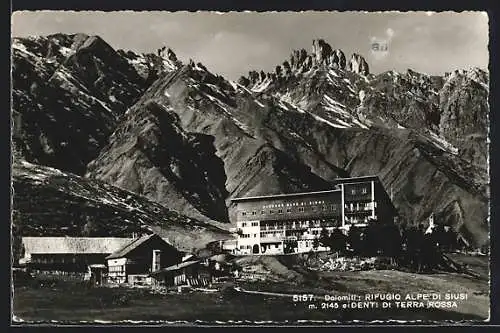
{"points": [[358, 65], [341, 58], [323, 54], [407, 100], [150, 66], [464, 118]]}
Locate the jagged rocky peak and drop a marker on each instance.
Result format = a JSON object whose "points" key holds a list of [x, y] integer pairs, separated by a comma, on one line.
{"points": [[358, 64], [60, 45], [167, 53], [321, 51], [150, 66], [322, 54], [255, 77], [297, 58]]}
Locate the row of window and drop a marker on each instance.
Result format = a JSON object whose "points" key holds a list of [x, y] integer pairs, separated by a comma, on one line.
{"points": [[360, 206], [118, 269], [55, 260], [297, 224], [292, 224], [274, 234], [270, 234], [305, 244], [248, 235], [245, 247], [357, 220], [267, 234], [289, 210], [253, 224], [364, 190]]}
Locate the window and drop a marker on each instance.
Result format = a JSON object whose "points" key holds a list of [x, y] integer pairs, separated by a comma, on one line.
{"points": [[156, 260], [254, 213], [271, 211], [255, 224], [353, 191], [301, 209], [254, 235], [365, 190], [262, 212], [288, 210], [244, 224], [334, 208], [280, 211], [243, 213]]}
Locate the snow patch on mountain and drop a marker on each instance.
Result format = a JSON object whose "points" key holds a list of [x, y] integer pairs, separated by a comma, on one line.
{"points": [[441, 143], [260, 87], [258, 103]]}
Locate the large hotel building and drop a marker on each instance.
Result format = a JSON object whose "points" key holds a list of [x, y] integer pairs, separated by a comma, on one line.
{"points": [[289, 223]]}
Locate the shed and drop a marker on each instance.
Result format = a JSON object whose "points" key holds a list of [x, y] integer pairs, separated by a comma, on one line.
{"points": [[133, 262], [191, 273]]}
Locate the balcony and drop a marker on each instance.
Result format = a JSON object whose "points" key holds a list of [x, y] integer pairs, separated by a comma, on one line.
{"points": [[358, 212], [271, 228]]}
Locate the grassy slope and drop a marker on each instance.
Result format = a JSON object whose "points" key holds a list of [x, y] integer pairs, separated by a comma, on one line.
{"points": [[51, 203]]}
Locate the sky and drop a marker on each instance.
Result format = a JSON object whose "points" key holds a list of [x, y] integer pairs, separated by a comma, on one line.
{"points": [[231, 44]]}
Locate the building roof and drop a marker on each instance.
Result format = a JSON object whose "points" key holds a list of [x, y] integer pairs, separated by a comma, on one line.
{"points": [[176, 267], [127, 248], [276, 196], [337, 181], [73, 245], [354, 179]]}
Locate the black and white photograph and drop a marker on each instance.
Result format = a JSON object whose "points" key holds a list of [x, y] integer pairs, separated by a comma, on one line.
{"points": [[249, 168]]}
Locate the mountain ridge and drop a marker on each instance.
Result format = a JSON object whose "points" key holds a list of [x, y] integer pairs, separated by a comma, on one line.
{"points": [[316, 117]]}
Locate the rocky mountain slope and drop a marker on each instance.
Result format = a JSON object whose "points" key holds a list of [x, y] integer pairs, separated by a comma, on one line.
{"points": [[68, 94], [149, 153], [192, 139]]}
